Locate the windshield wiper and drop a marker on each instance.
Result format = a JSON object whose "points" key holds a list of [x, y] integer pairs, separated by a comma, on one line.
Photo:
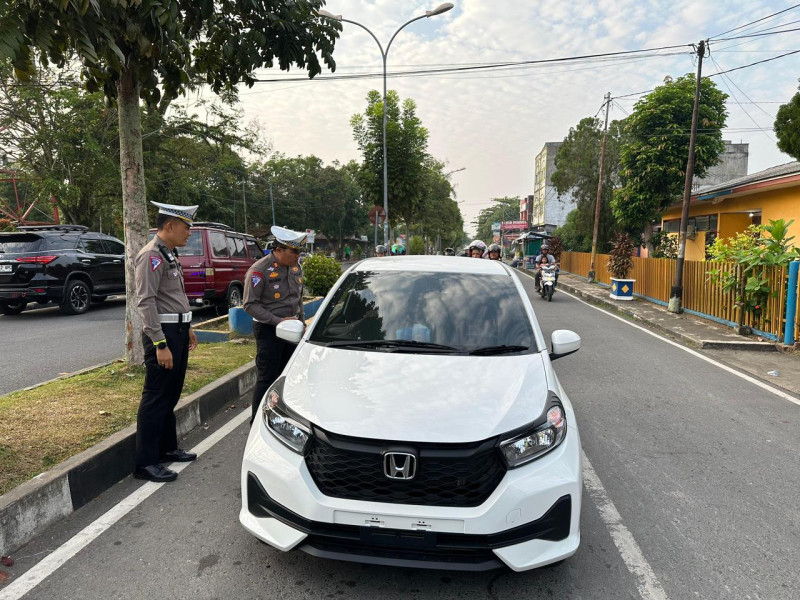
{"points": [[390, 344], [503, 349]]}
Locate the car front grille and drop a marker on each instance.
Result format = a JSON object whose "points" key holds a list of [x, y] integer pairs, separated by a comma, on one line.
{"points": [[457, 475]]}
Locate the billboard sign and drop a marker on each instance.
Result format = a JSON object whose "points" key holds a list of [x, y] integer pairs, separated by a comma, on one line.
{"points": [[514, 225]]}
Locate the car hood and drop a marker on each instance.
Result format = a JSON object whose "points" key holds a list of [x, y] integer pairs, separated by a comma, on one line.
{"points": [[415, 397]]}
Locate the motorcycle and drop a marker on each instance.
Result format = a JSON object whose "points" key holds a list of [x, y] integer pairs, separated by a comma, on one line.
{"points": [[548, 281]]}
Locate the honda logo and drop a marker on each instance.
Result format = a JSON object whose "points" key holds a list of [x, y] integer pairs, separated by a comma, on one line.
{"points": [[399, 465]]}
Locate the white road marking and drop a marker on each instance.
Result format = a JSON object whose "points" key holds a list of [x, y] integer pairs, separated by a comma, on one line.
{"points": [[71, 547], [646, 581], [753, 380]]}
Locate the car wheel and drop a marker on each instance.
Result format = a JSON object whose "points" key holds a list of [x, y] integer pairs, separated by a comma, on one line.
{"points": [[12, 308], [232, 298], [550, 294], [77, 297]]}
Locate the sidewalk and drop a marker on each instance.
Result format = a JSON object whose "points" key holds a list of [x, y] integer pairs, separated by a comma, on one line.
{"points": [[752, 354]]}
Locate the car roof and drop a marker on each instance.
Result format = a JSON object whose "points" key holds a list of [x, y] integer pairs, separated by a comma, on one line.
{"points": [[440, 264]]}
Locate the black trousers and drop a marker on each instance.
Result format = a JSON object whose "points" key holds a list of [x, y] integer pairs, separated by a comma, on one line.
{"points": [[155, 423], [272, 355]]}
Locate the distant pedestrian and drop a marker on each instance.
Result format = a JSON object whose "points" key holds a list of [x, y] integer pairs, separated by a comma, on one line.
{"points": [[273, 292], [347, 252], [167, 339]]}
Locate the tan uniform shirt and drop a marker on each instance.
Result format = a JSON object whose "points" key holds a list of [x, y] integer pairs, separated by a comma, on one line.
{"points": [[159, 288], [272, 292]]}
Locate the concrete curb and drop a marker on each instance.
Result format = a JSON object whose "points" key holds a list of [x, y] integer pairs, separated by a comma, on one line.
{"points": [[36, 504]]}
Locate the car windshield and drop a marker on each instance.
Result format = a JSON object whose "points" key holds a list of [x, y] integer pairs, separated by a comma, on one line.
{"points": [[193, 247], [426, 312]]}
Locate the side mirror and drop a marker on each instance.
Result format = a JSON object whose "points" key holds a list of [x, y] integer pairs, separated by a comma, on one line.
{"points": [[291, 331], [564, 342]]}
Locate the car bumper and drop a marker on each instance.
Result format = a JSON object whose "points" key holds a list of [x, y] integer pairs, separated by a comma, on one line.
{"points": [[28, 294], [530, 520]]}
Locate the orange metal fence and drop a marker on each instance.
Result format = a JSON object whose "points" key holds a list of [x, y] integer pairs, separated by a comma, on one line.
{"points": [[655, 276]]}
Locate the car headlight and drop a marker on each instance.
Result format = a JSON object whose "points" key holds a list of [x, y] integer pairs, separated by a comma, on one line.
{"points": [[539, 440], [284, 425]]}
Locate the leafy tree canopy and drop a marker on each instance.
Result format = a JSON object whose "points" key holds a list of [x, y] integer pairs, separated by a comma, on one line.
{"points": [[787, 127], [577, 171], [654, 155], [503, 209], [406, 148]]}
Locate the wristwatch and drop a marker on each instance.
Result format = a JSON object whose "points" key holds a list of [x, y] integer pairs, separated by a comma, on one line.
{"points": [[161, 345]]}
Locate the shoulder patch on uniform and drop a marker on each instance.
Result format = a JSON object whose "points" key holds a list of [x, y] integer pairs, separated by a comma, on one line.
{"points": [[154, 262], [256, 278]]}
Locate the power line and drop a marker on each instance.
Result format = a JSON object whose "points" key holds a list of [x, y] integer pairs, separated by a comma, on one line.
{"points": [[746, 25], [489, 66], [735, 99], [754, 35]]}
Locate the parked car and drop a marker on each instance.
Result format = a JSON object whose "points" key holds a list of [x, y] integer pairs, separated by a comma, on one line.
{"points": [[419, 423], [65, 264], [214, 262]]}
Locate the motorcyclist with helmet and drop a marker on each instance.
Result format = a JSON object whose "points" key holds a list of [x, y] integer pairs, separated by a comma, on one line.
{"points": [[477, 249], [380, 250], [494, 252], [543, 257]]}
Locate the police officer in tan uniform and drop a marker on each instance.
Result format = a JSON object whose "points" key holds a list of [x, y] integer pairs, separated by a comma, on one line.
{"points": [[167, 340], [273, 292]]}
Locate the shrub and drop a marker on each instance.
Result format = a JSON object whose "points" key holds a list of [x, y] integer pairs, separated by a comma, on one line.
{"points": [[7, 225], [416, 245], [320, 273], [620, 261], [664, 245]]}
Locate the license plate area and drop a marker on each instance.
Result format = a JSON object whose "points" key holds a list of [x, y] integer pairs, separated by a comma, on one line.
{"points": [[5, 268]]}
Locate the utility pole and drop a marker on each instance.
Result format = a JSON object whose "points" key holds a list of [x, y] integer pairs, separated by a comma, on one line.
{"points": [[272, 201], [676, 295], [599, 192], [244, 201]]}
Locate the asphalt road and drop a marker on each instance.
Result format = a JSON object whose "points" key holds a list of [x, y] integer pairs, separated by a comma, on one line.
{"points": [[42, 343], [698, 481]]}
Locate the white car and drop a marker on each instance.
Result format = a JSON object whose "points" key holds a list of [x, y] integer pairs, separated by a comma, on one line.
{"points": [[419, 423]]}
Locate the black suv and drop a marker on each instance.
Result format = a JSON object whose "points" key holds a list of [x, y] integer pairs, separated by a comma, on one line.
{"points": [[65, 264]]}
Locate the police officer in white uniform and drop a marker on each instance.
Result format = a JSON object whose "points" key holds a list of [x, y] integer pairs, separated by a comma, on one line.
{"points": [[167, 338], [273, 292]]}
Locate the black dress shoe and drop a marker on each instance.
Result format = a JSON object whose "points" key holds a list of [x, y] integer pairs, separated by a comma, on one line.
{"points": [[157, 473], [178, 455]]}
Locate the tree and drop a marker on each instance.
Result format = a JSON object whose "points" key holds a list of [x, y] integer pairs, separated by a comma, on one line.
{"points": [[656, 148], [787, 127], [439, 217], [574, 237], [57, 136], [406, 150], [309, 195], [132, 49], [577, 170], [503, 209]]}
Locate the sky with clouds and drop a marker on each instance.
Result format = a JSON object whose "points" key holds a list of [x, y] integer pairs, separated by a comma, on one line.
{"points": [[493, 123]]}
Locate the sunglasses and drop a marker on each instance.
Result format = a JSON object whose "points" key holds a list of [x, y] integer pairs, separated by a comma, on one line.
{"points": [[285, 248]]}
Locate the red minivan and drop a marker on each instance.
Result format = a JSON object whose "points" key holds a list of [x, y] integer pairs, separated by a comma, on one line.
{"points": [[214, 262]]}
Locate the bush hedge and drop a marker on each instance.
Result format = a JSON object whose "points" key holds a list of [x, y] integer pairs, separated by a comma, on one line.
{"points": [[320, 273]]}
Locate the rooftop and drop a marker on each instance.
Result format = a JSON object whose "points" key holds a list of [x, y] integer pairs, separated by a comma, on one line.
{"points": [[777, 172]]}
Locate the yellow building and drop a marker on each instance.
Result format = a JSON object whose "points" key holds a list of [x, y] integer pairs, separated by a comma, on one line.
{"points": [[728, 208]]}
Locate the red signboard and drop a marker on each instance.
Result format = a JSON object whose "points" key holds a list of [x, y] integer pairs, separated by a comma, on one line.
{"points": [[514, 225]]}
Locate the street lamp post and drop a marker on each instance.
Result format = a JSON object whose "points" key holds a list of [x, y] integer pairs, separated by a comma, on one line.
{"points": [[442, 8]]}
